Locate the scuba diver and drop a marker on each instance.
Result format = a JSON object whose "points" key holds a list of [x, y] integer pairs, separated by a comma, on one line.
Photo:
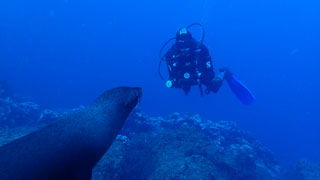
{"points": [[189, 64]]}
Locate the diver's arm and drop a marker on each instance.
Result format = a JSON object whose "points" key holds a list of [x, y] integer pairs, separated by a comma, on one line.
{"points": [[172, 70], [205, 66], [169, 62], [208, 78], [217, 81]]}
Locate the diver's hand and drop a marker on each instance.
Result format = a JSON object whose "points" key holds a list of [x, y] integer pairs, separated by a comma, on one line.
{"points": [[215, 85], [227, 73]]}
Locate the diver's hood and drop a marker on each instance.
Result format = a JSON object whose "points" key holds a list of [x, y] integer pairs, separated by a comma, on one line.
{"points": [[183, 35], [184, 39]]}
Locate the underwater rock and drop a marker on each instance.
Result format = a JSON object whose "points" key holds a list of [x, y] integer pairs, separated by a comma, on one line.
{"points": [[306, 169], [20, 114], [185, 147], [13, 114], [170, 147]]}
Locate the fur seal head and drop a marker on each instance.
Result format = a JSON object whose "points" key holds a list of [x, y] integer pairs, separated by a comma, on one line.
{"points": [[69, 148], [121, 98]]}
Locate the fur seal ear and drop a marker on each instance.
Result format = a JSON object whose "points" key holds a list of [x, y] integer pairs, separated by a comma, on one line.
{"points": [[69, 148]]}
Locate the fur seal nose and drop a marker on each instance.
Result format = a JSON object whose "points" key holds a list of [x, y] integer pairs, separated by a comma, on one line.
{"points": [[138, 95], [138, 92]]}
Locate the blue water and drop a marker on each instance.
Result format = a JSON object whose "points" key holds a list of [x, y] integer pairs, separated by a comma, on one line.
{"points": [[64, 53]]}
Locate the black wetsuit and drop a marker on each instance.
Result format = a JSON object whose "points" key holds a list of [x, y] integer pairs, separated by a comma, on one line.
{"points": [[189, 66]]}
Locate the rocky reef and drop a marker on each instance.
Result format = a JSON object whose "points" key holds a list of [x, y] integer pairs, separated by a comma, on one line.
{"points": [[185, 147], [306, 169], [171, 147], [19, 114]]}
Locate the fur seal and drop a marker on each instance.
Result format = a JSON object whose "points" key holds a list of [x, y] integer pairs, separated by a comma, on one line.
{"points": [[69, 148]]}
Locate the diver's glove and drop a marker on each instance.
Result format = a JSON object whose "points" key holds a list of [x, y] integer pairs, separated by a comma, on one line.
{"points": [[226, 73], [215, 85]]}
